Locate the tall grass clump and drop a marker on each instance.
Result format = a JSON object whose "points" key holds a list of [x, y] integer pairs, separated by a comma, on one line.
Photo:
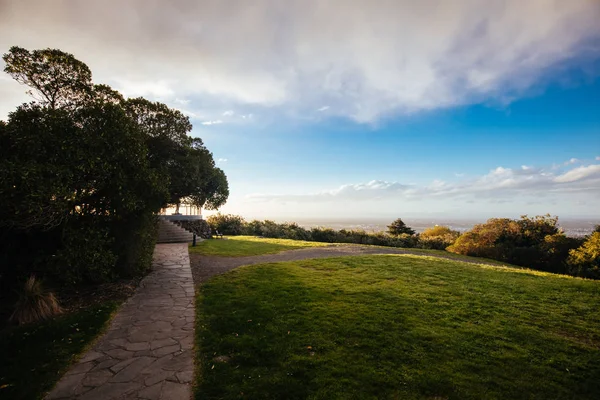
{"points": [[35, 303]]}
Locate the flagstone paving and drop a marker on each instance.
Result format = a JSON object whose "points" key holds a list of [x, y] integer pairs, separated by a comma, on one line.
{"points": [[147, 352]]}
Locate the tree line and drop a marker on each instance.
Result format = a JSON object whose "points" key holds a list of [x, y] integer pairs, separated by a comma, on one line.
{"points": [[85, 171]]}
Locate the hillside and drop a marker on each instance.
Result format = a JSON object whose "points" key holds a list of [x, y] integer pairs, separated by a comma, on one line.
{"points": [[396, 326]]}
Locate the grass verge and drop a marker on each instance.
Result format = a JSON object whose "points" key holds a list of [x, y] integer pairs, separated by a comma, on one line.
{"points": [[240, 246], [34, 357], [396, 326]]}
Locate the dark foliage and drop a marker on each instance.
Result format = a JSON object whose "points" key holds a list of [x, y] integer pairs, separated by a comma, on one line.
{"points": [[84, 172], [398, 227], [200, 227], [226, 224]]}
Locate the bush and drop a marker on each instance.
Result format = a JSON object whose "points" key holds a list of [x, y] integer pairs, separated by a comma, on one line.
{"points": [[86, 255], [437, 237], [227, 224], [134, 244], [200, 227], [585, 260], [530, 242]]}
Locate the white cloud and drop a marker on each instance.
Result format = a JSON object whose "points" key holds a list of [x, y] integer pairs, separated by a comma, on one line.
{"points": [[498, 183], [397, 56], [221, 160], [572, 161], [598, 158], [324, 108], [228, 113], [182, 101], [580, 173], [214, 122]]}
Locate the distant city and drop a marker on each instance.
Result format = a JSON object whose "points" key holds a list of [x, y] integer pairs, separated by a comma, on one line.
{"points": [[571, 227]]}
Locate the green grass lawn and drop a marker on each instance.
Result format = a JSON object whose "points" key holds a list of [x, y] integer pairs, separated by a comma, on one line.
{"points": [[240, 246], [397, 327], [34, 357]]}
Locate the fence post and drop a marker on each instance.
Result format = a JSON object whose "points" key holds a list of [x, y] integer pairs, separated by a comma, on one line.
{"points": [[194, 240]]}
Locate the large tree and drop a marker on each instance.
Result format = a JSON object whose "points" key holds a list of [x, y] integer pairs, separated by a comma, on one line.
{"points": [[84, 171]]}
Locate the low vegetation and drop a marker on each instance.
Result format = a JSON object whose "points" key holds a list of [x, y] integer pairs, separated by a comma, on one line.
{"points": [[240, 246], [535, 243], [35, 303], [585, 260], [413, 327], [34, 356]]}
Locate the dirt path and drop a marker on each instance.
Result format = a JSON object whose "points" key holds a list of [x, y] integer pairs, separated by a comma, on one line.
{"points": [[204, 267]]}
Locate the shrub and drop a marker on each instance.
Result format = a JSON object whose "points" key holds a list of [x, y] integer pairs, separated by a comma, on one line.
{"points": [[325, 235], [227, 224], [437, 237], [86, 255], [134, 244], [35, 303], [200, 227], [585, 260], [531, 242], [253, 228]]}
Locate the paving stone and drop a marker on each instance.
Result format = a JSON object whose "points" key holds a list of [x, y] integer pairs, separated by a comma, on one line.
{"points": [[121, 364], [180, 362], [81, 368], [121, 354], [111, 391], [158, 375], [146, 351], [185, 376], [166, 350], [91, 356], [67, 387], [107, 364], [172, 390], [157, 344], [137, 346], [132, 371], [97, 378], [152, 392]]}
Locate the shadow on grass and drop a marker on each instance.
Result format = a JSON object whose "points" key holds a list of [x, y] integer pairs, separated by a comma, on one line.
{"points": [[35, 356]]}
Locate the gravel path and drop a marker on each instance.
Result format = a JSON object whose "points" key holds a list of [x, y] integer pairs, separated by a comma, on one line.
{"points": [[204, 267]]}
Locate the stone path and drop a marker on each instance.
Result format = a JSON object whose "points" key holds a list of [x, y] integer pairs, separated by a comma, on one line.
{"points": [[147, 352]]}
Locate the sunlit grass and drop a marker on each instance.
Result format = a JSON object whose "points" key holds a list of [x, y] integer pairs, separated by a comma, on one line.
{"points": [[407, 327], [239, 246]]}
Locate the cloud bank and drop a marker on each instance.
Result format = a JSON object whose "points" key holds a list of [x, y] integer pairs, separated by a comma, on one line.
{"points": [[500, 183], [364, 59]]}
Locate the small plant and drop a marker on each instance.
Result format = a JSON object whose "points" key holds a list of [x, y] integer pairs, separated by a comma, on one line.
{"points": [[35, 303]]}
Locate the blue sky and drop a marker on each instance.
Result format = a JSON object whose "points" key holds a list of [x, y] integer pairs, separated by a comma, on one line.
{"points": [[355, 108], [557, 130]]}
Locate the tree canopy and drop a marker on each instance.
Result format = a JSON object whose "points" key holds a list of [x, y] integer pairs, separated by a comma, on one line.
{"points": [[86, 168]]}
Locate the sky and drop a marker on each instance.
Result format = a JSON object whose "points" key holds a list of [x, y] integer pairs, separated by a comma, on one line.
{"points": [[357, 109]]}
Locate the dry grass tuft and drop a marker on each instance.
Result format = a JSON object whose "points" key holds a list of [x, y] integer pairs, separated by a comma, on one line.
{"points": [[35, 303]]}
